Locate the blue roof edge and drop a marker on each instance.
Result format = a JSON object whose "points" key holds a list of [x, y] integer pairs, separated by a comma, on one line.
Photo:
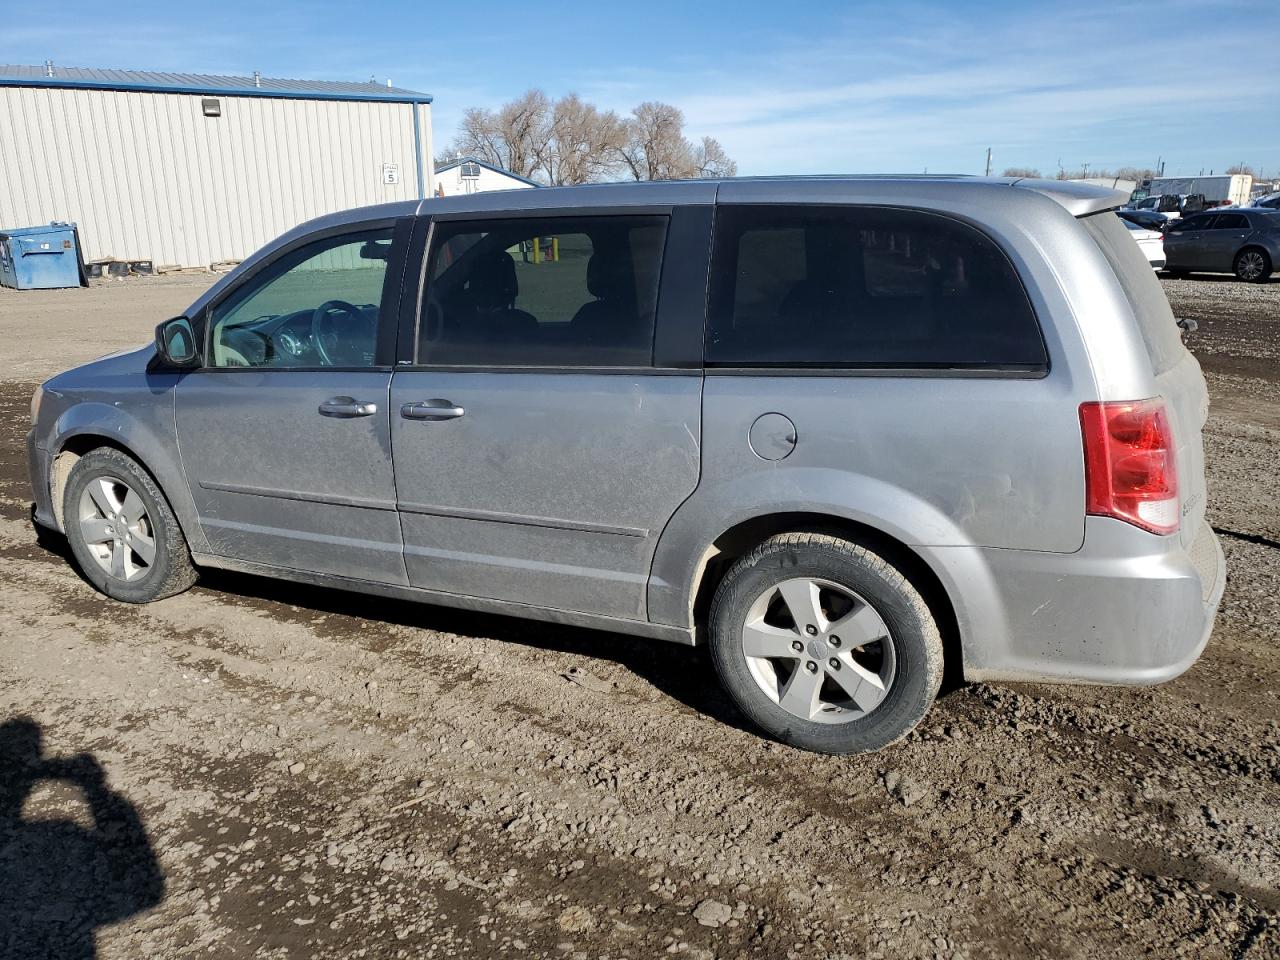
{"points": [[195, 89]]}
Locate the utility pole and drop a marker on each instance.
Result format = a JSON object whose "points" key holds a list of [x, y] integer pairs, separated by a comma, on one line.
{"points": [[988, 161]]}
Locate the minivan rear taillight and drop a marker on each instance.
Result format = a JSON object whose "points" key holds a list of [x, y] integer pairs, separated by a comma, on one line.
{"points": [[1130, 467]]}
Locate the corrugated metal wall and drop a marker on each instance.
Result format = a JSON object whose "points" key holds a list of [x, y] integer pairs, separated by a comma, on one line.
{"points": [[147, 176]]}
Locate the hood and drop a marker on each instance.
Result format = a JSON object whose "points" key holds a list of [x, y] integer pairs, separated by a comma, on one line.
{"points": [[131, 362]]}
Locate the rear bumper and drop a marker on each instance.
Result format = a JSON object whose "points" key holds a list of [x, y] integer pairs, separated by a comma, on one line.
{"points": [[1127, 608]]}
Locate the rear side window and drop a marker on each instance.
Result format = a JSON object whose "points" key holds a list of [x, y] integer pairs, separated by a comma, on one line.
{"points": [[864, 287], [549, 291], [1146, 296], [1230, 221], [1202, 222]]}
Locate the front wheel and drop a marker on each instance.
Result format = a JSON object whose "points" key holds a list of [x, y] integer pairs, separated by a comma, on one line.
{"points": [[824, 644], [122, 531], [1252, 265]]}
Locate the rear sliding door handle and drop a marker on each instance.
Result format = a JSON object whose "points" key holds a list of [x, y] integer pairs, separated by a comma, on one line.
{"points": [[347, 407], [435, 409]]}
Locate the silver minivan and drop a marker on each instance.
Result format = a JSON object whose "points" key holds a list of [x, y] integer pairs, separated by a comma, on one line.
{"points": [[849, 432]]}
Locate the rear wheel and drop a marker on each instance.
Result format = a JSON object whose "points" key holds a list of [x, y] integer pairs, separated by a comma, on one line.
{"points": [[1253, 265], [824, 644], [122, 531]]}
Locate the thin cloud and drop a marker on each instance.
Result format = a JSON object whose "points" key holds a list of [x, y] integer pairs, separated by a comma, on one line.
{"points": [[935, 90], [859, 88]]}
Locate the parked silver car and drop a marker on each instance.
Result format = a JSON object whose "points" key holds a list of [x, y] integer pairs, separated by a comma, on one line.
{"points": [[1244, 241], [863, 430], [1150, 242]]}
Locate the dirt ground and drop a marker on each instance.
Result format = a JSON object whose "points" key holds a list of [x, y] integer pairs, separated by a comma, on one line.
{"points": [[261, 769]]}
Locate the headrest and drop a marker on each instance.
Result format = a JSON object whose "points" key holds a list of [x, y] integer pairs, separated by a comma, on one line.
{"points": [[493, 281], [607, 276]]}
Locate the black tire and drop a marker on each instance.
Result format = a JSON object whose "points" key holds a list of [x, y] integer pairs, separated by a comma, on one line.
{"points": [[913, 633], [1252, 265], [170, 570]]}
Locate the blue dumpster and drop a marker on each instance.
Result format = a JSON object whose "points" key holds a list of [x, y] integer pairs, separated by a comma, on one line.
{"points": [[40, 258]]}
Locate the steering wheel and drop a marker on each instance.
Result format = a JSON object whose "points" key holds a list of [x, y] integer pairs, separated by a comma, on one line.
{"points": [[333, 352]]}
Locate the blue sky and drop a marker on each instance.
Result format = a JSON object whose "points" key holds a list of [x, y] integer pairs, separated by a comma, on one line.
{"points": [[787, 88]]}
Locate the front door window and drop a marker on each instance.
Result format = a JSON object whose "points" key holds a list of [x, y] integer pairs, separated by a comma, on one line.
{"points": [[318, 306]]}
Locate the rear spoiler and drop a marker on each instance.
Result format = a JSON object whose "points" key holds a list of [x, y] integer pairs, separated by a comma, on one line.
{"points": [[1078, 199]]}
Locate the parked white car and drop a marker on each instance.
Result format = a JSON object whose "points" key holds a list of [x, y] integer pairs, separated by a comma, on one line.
{"points": [[1150, 242]]}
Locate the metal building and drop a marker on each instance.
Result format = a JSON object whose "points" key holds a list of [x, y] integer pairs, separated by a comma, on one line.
{"points": [[191, 170]]}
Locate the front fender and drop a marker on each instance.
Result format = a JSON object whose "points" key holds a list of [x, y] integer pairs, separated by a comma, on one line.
{"points": [[146, 430], [892, 511]]}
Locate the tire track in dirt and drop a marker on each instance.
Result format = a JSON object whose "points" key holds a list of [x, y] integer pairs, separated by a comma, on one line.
{"points": [[701, 789], [475, 786]]}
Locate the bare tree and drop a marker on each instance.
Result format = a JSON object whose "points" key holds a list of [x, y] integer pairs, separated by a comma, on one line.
{"points": [[513, 137], [524, 124], [571, 141], [1021, 172], [1136, 174], [583, 145], [478, 137], [1084, 173], [655, 147], [1242, 168], [711, 160]]}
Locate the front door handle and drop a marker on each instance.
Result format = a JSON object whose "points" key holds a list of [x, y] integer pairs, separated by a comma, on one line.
{"points": [[347, 407], [435, 409]]}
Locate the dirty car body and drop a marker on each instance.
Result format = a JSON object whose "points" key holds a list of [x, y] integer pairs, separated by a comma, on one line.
{"points": [[609, 406]]}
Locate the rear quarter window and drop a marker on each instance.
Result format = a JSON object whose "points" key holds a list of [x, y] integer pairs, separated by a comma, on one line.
{"points": [[864, 287], [1145, 295]]}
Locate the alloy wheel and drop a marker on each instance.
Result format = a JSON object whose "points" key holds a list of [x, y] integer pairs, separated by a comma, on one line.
{"points": [[116, 528], [819, 650], [1250, 265]]}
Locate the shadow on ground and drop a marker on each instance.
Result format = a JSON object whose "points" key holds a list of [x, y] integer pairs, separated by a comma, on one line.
{"points": [[683, 673], [61, 881]]}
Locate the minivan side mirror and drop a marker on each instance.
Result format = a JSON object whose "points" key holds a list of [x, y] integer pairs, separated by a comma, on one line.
{"points": [[176, 343]]}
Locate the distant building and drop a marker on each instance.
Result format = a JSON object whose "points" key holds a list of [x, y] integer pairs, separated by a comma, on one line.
{"points": [[189, 169], [469, 175]]}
